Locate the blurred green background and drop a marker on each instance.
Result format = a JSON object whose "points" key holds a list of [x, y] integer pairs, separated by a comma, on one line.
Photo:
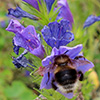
{"points": [[14, 84]]}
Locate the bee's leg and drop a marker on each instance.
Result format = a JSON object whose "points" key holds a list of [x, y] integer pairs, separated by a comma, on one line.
{"points": [[53, 85], [81, 75]]}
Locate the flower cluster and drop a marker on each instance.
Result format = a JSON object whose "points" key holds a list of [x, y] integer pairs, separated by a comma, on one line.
{"points": [[56, 34]]}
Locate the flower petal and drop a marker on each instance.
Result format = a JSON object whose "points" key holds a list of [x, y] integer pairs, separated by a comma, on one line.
{"points": [[46, 33], [46, 81], [16, 48], [39, 52], [54, 29], [49, 59], [65, 24], [91, 20], [34, 3], [14, 26], [20, 41], [74, 51], [20, 62], [18, 13], [29, 32], [83, 65], [49, 4], [65, 10]]}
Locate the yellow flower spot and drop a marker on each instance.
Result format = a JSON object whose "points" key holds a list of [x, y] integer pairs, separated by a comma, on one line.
{"points": [[50, 62], [29, 40]]}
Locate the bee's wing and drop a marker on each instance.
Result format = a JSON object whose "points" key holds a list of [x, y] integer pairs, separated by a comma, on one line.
{"points": [[42, 70], [77, 63], [82, 65]]}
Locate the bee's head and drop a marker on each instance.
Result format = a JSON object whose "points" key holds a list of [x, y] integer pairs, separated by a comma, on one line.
{"points": [[61, 60]]}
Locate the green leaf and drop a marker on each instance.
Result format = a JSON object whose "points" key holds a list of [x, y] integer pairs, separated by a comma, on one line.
{"points": [[6, 75], [33, 10], [27, 95], [54, 15], [15, 89]]}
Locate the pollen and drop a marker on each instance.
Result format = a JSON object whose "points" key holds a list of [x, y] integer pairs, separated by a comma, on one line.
{"points": [[50, 62], [69, 37], [29, 40]]}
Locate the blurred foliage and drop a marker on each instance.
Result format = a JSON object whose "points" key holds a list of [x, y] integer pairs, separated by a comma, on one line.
{"points": [[13, 82], [14, 85]]}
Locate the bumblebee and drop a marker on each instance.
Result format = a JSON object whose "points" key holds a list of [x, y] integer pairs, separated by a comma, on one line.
{"points": [[65, 74]]}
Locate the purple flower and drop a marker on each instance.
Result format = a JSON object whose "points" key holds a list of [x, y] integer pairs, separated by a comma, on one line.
{"points": [[15, 26], [57, 34], [65, 12], [49, 4], [19, 13], [34, 3], [91, 20], [21, 61], [16, 48], [3, 24], [27, 73], [26, 38], [79, 63]]}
